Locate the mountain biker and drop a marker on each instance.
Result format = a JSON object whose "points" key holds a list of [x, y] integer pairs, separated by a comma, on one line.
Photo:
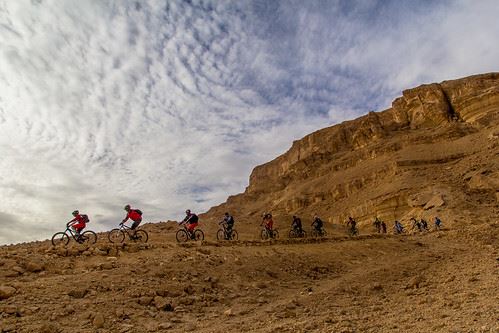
{"points": [[399, 228], [352, 224], [191, 221], [268, 223], [229, 222], [377, 224], [415, 224], [296, 225], [424, 225], [383, 227], [438, 223], [133, 214], [317, 224], [78, 223]]}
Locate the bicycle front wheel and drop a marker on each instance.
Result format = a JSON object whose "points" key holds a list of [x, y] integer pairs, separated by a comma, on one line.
{"points": [[276, 234], [264, 234], [60, 238], [88, 237], [181, 236], [220, 235], [198, 235], [292, 234], [234, 235], [141, 236], [116, 236]]}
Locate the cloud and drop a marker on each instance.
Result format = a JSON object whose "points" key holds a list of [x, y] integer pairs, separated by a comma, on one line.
{"points": [[168, 105]]}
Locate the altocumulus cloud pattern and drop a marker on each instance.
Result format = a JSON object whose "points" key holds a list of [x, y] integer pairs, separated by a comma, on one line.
{"points": [[168, 105]]}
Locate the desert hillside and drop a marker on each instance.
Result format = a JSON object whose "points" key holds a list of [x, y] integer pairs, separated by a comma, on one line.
{"points": [[435, 152]]}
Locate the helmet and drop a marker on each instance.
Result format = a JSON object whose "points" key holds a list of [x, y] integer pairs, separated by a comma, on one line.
{"points": [[226, 214], [76, 212], [188, 211], [127, 207]]}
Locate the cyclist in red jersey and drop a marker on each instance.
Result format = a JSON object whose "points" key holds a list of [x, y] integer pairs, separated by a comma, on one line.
{"points": [[79, 222], [191, 221], [133, 214]]}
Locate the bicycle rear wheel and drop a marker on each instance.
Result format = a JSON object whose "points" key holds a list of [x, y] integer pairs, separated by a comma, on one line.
{"points": [[234, 235], [220, 234], [198, 235], [60, 238], [88, 237], [116, 236], [181, 236], [141, 236], [276, 234]]}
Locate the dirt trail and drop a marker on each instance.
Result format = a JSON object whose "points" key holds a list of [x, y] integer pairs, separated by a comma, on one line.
{"points": [[419, 283]]}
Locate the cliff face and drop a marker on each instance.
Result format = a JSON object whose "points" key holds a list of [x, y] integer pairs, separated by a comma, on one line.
{"points": [[389, 163]]}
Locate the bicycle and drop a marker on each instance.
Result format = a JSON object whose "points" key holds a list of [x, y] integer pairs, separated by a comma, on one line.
{"points": [[318, 232], [294, 233], [183, 235], [63, 237], [353, 231], [267, 233], [117, 235], [223, 234]]}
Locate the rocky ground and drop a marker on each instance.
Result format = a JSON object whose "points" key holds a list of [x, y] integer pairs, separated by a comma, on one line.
{"points": [[445, 281]]}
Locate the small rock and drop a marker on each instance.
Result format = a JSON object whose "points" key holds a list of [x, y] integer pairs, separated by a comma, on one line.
{"points": [[50, 327], [34, 267], [228, 312], [98, 320], [78, 293], [145, 300], [6, 292], [165, 326]]}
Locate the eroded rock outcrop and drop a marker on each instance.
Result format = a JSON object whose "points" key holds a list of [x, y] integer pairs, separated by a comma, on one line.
{"points": [[372, 165]]}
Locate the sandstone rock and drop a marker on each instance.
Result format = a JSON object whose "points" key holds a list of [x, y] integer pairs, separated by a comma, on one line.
{"points": [[34, 266], [163, 304], [98, 320], [145, 300], [228, 313], [78, 293], [436, 201], [50, 327], [6, 292]]}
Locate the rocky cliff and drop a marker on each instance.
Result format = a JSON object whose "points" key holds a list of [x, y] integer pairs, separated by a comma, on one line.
{"points": [[435, 151]]}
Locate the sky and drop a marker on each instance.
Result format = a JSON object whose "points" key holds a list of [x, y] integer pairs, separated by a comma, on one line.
{"points": [[169, 105]]}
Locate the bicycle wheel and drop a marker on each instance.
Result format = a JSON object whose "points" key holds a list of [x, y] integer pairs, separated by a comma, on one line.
{"points": [[199, 235], [60, 238], [220, 234], [303, 234], [116, 236], [314, 233], [181, 236], [264, 234], [141, 236], [276, 234], [88, 237], [292, 234], [234, 235], [324, 233]]}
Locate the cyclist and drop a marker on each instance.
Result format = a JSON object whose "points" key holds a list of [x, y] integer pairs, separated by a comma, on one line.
{"points": [[268, 223], [415, 224], [191, 221], [133, 214], [438, 223], [398, 227], [78, 223], [317, 224], [352, 224], [296, 225], [424, 225], [229, 222], [383, 227], [377, 224]]}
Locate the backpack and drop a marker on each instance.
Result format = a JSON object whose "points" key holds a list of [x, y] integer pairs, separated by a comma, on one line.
{"points": [[138, 211], [85, 218]]}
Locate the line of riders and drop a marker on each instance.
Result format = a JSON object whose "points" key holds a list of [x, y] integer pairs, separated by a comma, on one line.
{"points": [[191, 221]]}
